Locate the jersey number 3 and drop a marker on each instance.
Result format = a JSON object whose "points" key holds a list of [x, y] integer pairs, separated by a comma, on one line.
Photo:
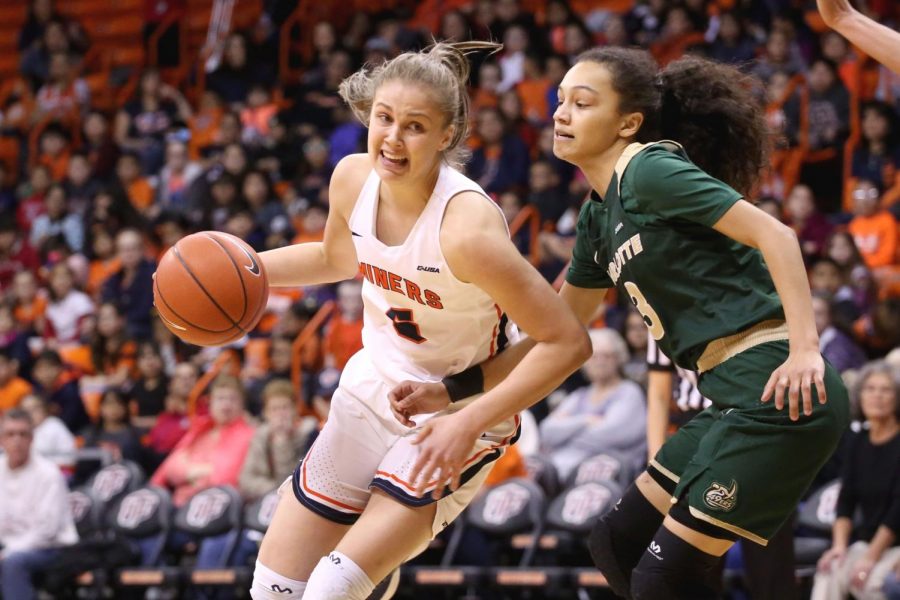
{"points": [[650, 316], [405, 326]]}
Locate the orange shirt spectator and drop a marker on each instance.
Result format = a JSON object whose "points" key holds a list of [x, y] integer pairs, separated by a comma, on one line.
{"points": [[876, 237], [13, 389], [510, 465], [344, 336]]}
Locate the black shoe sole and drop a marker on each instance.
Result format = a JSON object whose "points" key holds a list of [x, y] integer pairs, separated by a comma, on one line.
{"points": [[600, 547]]}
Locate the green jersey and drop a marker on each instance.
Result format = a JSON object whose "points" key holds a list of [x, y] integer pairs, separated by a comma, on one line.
{"points": [[651, 236]]}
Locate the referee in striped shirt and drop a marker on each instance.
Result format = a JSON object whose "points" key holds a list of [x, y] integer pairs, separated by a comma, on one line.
{"points": [[673, 399]]}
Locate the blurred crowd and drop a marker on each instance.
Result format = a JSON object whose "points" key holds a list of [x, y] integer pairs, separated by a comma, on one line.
{"points": [[88, 206]]}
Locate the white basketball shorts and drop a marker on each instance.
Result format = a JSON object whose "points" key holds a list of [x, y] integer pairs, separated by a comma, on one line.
{"points": [[362, 446]]}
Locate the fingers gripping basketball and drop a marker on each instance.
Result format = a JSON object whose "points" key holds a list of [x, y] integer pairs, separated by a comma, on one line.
{"points": [[210, 288]]}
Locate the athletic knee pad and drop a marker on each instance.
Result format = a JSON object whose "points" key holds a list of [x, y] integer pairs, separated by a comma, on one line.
{"points": [[337, 577], [269, 585], [673, 569]]}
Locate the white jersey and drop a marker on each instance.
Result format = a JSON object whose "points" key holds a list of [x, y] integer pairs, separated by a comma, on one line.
{"points": [[421, 322]]}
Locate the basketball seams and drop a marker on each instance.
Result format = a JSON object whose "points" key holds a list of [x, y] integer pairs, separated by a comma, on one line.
{"points": [[182, 319], [188, 270], [237, 268]]}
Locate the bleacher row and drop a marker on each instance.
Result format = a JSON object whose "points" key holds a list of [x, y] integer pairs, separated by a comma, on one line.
{"points": [[536, 527]]}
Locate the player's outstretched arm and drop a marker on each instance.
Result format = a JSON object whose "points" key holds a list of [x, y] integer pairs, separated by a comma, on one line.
{"points": [[876, 40], [478, 250], [334, 258]]}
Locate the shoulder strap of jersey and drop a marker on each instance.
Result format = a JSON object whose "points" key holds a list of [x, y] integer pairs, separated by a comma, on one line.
{"points": [[633, 150], [362, 214]]}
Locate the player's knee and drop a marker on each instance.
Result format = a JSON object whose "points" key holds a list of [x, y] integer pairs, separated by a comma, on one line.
{"points": [[337, 577], [269, 585], [672, 568]]}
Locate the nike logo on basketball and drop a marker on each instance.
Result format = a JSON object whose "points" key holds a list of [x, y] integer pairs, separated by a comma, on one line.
{"points": [[277, 588], [253, 267]]}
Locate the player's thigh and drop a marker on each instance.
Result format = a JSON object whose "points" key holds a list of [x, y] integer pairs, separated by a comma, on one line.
{"points": [[387, 533], [297, 538], [677, 452]]}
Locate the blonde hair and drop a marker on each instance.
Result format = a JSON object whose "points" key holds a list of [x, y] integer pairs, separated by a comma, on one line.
{"points": [[229, 382], [277, 388], [442, 68]]}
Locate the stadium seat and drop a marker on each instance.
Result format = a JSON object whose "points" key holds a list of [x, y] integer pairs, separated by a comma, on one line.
{"points": [[144, 516], [815, 519], [114, 481], [605, 466], [84, 514], [542, 470], [258, 514], [214, 516]]}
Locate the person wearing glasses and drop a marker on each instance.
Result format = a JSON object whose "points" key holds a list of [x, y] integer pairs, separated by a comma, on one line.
{"points": [[35, 518]]}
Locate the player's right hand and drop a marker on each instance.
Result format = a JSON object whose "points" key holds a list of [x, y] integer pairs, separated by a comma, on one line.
{"points": [[411, 398]]}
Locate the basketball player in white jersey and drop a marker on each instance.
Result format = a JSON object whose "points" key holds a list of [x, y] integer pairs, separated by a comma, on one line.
{"points": [[438, 265]]}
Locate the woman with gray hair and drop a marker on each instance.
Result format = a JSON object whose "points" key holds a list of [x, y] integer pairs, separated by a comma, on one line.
{"points": [[609, 414], [862, 554]]}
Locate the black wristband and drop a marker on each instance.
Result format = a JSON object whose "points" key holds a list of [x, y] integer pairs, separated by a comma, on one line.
{"points": [[465, 383]]}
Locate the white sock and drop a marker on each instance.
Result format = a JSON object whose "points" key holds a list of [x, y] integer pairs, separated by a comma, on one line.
{"points": [[269, 585], [337, 577]]}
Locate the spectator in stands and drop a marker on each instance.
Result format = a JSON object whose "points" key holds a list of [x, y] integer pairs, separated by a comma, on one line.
{"points": [[279, 368], [113, 431], [732, 44], [877, 156], [97, 143], [141, 125], [512, 60], [64, 94], [35, 518], [111, 210], [317, 99], [68, 307], [112, 350], [235, 76], [40, 12], [269, 214], [80, 184], [257, 115], [149, 392], [31, 197], [512, 109], [501, 163], [826, 278], [52, 439], [134, 184], [634, 332], [213, 450], [344, 336], [874, 229], [103, 259], [131, 289], [277, 444], [35, 64], [58, 222], [176, 176], [827, 110], [778, 57], [168, 428], [54, 150], [837, 346], [12, 340], [16, 255], [29, 303], [12, 387], [60, 389], [609, 414], [861, 555], [811, 227]]}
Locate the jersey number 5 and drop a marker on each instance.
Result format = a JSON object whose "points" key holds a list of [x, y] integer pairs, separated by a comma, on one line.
{"points": [[405, 326], [650, 316]]}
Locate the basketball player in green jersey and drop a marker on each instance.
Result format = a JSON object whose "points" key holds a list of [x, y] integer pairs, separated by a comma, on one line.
{"points": [[723, 291]]}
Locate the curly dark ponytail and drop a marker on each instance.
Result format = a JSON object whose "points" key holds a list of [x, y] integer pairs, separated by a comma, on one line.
{"points": [[708, 108], [705, 106]]}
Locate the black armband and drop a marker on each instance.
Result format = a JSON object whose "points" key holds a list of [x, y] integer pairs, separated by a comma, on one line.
{"points": [[465, 383]]}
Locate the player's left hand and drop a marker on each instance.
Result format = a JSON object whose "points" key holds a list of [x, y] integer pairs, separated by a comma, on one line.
{"points": [[444, 444], [859, 574], [796, 376]]}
